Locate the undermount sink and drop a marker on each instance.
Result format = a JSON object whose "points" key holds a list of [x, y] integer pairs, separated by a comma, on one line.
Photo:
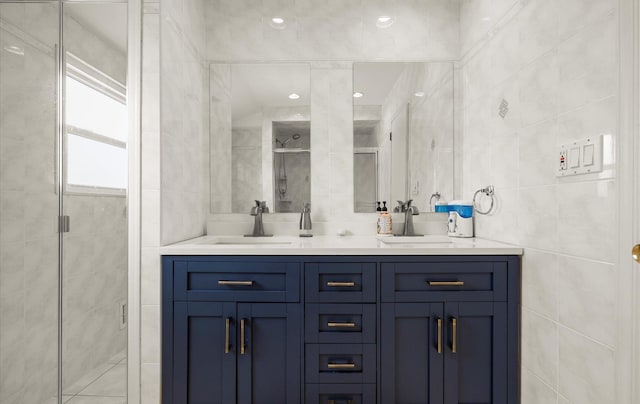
{"points": [[416, 240], [255, 241]]}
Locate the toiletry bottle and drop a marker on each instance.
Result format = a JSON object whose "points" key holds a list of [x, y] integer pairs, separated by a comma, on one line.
{"points": [[378, 218], [387, 228]]}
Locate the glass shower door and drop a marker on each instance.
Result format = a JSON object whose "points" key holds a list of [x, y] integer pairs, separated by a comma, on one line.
{"points": [[29, 202], [94, 273]]}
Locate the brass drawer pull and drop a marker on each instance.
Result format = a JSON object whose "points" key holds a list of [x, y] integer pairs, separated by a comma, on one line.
{"points": [[343, 325], [242, 336], [227, 323], [454, 343], [445, 283], [341, 365], [341, 284], [235, 283], [439, 320]]}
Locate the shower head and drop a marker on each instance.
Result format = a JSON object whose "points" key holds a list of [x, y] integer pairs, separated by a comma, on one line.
{"points": [[295, 136]]}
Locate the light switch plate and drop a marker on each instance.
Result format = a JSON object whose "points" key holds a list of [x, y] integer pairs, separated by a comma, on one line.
{"points": [[580, 157]]}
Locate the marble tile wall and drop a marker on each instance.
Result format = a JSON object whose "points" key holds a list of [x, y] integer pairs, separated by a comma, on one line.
{"points": [[246, 156], [556, 65], [175, 155], [241, 30]]}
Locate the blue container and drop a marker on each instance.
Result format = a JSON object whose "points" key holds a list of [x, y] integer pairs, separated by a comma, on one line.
{"points": [[464, 208], [442, 207]]}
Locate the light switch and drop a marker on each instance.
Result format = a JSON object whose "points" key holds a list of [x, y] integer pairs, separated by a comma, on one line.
{"points": [[587, 154], [574, 157]]}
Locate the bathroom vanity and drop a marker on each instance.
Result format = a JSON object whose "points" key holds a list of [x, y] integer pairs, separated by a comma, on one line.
{"points": [[340, 320]]}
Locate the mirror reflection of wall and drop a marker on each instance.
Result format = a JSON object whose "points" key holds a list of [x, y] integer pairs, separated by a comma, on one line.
{"points": [[256, 111], [404, 112]]}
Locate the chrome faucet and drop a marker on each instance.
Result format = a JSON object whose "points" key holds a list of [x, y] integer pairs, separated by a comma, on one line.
{"points": [[258, 226], [305, 221], [409, 212]]}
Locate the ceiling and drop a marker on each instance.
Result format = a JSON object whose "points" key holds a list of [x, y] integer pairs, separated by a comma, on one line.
{"points": [[107, 20]]}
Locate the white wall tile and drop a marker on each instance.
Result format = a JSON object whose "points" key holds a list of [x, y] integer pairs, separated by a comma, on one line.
{"points": [[535, 391], [588, 299], [540, 282], [540, 347], [587, 369]]}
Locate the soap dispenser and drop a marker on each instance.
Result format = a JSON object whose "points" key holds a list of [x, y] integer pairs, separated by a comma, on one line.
{"points": [[384, 221]]}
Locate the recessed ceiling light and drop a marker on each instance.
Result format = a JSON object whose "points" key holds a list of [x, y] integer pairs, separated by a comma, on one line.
{"points": [[293, 96], [16, 50], [486, 18], [384, 21], [419, 94], [358, 95], [278, 23]]}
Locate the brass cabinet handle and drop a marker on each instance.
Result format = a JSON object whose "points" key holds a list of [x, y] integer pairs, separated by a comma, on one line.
{"points": [[341, 284], [341, 365], [454, 343], [227, 324], [235, 283], [635, 253], [445, 283], [242, 336], [343, 325], [439, 335]]}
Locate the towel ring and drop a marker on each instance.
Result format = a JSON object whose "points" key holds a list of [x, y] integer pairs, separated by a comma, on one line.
{"points": [[488, 191], [435, 196]]}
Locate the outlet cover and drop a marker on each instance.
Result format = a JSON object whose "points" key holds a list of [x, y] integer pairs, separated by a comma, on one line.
{"points": [[579, 157]]}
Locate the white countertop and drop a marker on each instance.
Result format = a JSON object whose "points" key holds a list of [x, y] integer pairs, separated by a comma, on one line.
{"points": [[339, 245]]}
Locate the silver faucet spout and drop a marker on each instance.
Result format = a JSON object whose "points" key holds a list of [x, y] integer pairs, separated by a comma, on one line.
{"points": [[258, 225], [409, 212]]}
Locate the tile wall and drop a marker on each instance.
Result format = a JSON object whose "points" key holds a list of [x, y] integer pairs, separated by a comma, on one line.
{"points": [[175, 155], [556, 65]]}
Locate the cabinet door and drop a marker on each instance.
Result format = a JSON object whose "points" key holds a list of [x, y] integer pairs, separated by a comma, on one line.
{"points": [[270, 354], [204, 365], [475, 364], [411, 363]]}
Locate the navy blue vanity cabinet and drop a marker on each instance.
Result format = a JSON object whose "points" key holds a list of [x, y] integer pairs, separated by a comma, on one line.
{"points": [[245, 348], [341, 331], [449, 330]]}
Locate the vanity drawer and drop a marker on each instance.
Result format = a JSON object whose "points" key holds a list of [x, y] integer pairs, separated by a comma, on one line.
{"points": [[340, 323], [237, 281], [340, 363], [340, 394], [340, 282], [437, 281]]}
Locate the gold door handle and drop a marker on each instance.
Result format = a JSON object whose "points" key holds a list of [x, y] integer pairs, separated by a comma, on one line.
{"points": [[454, 343], [242, 336], [341, 365], [341, 325], [227, 324], [341, 284], [635, 253], [439, 335], [445, 283], [235, 283]]}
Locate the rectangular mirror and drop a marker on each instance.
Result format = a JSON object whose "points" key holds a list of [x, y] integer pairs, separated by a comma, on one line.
{"points": [[259, 136], [403, 133]]}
